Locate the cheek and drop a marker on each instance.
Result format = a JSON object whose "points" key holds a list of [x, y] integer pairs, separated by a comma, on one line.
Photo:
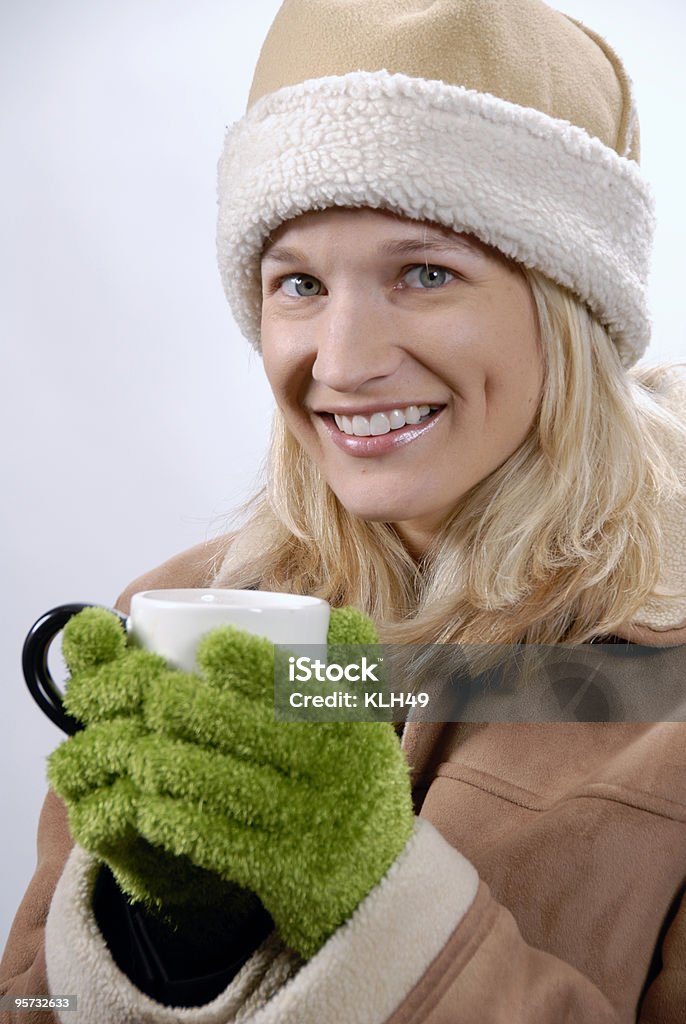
{"points": [[279, 367], [272, 367], [286, 358], [513, 393], [512, 374], [519, 363], [288, 379]]}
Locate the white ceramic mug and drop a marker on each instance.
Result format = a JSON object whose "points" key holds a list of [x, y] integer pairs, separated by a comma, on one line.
{"points": [[171, 622]]}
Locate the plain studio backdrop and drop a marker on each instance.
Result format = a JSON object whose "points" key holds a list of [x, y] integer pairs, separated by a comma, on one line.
{"points": [[134, 415]]}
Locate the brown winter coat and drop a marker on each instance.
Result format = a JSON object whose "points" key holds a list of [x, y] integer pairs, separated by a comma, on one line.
{"points": [[558, 896]]}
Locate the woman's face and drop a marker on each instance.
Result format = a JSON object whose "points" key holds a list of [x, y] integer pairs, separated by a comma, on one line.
{"points": [[405, 359]]}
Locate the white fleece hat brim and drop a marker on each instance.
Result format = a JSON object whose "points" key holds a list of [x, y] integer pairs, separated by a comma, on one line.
{"points": [[539, 189]]}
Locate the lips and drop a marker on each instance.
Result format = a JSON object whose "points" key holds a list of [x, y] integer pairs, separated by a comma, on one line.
{"points": [[370, 444]]}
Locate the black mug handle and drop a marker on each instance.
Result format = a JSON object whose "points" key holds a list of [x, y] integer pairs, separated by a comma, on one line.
{"points": [[34, 660]]}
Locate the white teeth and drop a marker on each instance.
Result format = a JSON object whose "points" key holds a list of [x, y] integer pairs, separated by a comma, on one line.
{"points": [[383, 422], [379, 424]]}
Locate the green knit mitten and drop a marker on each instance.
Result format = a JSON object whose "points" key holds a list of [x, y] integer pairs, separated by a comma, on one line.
{"points": [[308, 816], [90, 771]]}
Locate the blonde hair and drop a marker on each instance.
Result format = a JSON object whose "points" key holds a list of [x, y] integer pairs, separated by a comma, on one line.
{"points": [[570, 566]]}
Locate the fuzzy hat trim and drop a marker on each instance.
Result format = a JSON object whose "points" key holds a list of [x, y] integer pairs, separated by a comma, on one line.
{"points": [[539, 189]]}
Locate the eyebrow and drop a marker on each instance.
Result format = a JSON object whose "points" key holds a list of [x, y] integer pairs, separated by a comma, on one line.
{"points": [[434, 243], [283, 254], [399, 247]]}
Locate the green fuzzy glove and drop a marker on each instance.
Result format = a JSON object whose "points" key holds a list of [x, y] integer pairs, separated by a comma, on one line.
{"points": [[90, 772], [185, 783]]}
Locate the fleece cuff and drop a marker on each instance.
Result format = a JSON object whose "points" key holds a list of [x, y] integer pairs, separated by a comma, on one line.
{"points": [[361, 974]]}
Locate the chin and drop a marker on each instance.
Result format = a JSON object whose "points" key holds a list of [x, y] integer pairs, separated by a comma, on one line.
{"points": [[379, 510]]}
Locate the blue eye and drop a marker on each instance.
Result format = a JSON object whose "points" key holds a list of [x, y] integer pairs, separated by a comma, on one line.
{"points": [[299, 285], [429, 276]]}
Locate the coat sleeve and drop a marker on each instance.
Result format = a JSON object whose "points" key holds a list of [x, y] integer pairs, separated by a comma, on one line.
{"points": [[22, 971]]}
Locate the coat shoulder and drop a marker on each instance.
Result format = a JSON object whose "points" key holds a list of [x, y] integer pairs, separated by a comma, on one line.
{"points": [[194, 567]]}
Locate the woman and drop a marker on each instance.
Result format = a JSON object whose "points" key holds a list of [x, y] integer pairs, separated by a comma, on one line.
{"points": [[442, 258]]}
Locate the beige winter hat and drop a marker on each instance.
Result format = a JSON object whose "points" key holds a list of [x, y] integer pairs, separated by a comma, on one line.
{"points": [[501, 118]]}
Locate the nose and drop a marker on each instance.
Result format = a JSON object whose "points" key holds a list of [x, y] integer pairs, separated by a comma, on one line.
{"points": [[354, 344]]}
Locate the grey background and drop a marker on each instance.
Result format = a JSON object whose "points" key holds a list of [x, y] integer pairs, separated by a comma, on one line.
{"points": [[134, 417]]}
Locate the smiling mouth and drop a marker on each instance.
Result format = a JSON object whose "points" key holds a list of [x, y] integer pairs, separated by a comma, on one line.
{"points": [[379, 423]]}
